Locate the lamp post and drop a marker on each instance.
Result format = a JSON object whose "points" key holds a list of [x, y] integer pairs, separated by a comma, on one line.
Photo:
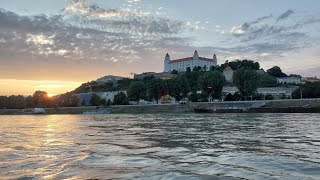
{"points": [[210, 95]]}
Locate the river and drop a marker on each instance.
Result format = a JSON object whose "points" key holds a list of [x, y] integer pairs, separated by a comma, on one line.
{"points": [[157, 146]]}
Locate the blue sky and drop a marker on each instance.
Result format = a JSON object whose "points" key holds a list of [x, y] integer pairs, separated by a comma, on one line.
{"points": [[86, 39]]}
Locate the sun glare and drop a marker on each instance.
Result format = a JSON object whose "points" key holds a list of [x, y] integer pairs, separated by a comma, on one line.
{"points": [[51, 95]]}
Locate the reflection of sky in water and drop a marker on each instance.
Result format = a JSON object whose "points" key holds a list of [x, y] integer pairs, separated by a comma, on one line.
{"points": [[160, 146]]}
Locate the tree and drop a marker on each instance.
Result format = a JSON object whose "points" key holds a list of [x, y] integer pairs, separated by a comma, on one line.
{"points": [[3, 102], [103, 102], [193, 80], [212, 83], [174, 72], [148, 78], [95, 100], [74, 101], [156, 89], [203, 97], [29, 101], [237, 64], [196, 68], [204, 68], [194, 97], [276, 72], [295, 75], [307, 90], [267, 81], [108, 102], [246, 80], [178, 87], [40, 99], [120, 99], [16, 102], [213, 68], [123, 84], [137, 91], [188, 70], [229, 97]]}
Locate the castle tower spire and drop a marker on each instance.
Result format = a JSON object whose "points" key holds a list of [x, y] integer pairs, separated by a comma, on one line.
{"points": [[214, 57], [195, 55], [167, 62], [167, 57]]}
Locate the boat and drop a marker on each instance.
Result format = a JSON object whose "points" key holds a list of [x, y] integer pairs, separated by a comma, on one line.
{"points": [[38, 111]]}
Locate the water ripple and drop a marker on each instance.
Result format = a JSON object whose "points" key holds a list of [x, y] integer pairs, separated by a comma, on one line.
{"points": [[192, 146]]}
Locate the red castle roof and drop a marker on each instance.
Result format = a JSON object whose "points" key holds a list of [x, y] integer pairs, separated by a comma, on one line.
{"points": [[190, 59], [228, 69]]}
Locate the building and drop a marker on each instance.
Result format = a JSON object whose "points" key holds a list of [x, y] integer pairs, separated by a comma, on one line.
{"points": [[109, 78], [181, 65], [275, 91], [85, 98], [309, 79], [289, 80], [228, 74], [287, 91], [109, 95], [229, 90], [164, 75]]}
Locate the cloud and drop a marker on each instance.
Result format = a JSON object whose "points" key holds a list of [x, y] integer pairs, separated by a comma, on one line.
{"points": [[265, 35], [90, 33], [129, 20], [40, 39], [86, 35], [242, 29], [285, 15]]}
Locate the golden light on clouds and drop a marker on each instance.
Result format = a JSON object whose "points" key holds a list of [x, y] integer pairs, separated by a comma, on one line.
{"points": [[28, 87]]}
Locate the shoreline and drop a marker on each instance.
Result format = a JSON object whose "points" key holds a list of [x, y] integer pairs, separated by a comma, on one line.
{"points": [[269, 106]]}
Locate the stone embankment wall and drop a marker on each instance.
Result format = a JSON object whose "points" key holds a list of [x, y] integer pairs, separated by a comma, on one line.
{"points": [[271, 103], [171, 108]]}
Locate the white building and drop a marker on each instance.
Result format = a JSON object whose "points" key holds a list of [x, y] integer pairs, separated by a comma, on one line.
{"points": [[277, 90], [109, 95], [264, 91], [289, 80], [109, 78], [85, 98], [181, 65], [229, 89], [309, 79], [228, 74]]}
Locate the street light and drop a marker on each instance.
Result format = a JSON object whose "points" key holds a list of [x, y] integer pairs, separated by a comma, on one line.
{"points": [[210, 95]]}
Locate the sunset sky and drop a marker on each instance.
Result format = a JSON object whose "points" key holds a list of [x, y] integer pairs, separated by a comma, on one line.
{"points": [[55, 45]]}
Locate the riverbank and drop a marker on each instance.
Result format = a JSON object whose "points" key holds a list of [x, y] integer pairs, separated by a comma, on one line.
{"points": [[272, 106], [268, 107]]}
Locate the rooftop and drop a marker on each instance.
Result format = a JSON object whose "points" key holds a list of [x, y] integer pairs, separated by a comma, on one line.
{"points": [[228, 69], [190, 59]]}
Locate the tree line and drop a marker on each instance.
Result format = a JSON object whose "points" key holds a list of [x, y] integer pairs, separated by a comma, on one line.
{"points": [[38, 99], [210, 83], [199, 84]]}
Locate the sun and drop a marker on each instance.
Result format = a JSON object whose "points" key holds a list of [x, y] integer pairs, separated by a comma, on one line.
{"points": [[51, 95]]}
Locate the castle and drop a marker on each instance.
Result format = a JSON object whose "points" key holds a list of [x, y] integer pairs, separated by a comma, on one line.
{"points": [[181, 65]]}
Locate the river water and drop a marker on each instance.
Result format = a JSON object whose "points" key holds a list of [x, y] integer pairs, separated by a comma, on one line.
{"points": [[148, 146]]}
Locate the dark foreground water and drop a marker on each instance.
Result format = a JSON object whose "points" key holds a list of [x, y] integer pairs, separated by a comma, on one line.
{"points": [[193, 146]]}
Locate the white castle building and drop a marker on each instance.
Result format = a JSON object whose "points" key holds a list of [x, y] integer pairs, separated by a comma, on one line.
{"points": [[181, 65]]}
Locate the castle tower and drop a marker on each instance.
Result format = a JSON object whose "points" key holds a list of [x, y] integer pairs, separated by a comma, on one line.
{"points": [[195, 55], [214, 57], [167, 63]]}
